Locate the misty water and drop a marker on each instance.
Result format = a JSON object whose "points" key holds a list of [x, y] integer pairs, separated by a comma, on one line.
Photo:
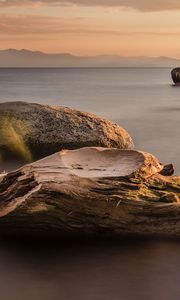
{"points": [[145, 102]]}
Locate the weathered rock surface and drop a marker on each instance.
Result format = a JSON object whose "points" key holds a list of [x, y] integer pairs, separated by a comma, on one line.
{"points": [[175, 74], [91, 191], [32, 130]]}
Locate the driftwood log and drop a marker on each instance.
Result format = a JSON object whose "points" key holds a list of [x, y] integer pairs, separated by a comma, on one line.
{"points": [[91, 191]]}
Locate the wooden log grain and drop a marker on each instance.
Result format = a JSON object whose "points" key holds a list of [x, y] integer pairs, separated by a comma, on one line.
{"points": [[91, 192]]}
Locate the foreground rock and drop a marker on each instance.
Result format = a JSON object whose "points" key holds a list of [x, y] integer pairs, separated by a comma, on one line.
{"points": [[175, 74], [91, 191], [32, 131]]}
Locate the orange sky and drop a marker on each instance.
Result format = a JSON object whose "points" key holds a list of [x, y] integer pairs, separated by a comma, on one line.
{"points": [[83, 27]]}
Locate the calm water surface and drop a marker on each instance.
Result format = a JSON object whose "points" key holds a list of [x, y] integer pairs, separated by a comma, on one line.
{"points": [[141, 100], [148, 106], [97, 271]]}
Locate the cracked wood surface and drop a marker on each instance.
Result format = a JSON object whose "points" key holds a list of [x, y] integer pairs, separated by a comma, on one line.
{"points": [[91, 191]]}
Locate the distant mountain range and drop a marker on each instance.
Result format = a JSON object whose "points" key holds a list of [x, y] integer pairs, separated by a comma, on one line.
{"points": [[26, 58]]}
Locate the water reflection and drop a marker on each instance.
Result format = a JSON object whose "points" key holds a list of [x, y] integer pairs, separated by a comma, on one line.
{"points": [[142, 269]]}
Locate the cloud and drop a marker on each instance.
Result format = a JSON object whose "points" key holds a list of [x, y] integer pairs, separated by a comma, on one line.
{"points": [[35, 25], [30, 25], [143, 5]]}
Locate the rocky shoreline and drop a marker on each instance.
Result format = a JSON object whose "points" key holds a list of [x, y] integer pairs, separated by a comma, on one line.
{"points": [[89, 191]]}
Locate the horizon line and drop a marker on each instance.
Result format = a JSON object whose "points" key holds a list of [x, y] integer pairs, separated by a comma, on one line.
{"points": [[96, 55]]}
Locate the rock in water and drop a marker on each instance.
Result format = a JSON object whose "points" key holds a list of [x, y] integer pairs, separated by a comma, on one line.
{"points": [[175, 74], [32, 130], [91, 191]]}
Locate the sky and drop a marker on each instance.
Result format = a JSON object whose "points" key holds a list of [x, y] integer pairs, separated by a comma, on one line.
{"points": [[92, 27]]}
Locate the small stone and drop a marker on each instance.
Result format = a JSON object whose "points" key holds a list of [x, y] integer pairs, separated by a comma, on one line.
{"points": [[175, 74]]}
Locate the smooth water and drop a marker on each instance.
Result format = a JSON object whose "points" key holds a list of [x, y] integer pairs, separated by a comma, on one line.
{"points": [[138, 270], [145, 102]]}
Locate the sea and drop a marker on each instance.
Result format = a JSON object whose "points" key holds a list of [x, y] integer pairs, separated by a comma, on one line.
{"points": [[146, 103]]}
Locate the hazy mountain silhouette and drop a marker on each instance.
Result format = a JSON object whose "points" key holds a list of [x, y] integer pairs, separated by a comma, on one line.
{"points": [[27, 58]]}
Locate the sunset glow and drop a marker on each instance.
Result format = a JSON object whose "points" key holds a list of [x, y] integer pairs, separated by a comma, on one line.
{"points": [[127, 28]]}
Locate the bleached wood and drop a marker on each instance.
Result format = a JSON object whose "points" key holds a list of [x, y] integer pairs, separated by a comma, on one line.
{"points": [[91, 191]]}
